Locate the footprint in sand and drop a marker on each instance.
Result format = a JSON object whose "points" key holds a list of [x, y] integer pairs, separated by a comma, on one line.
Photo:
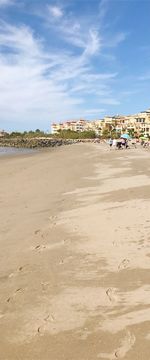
{"points": [[114, 243], [37, 231], [66, 260], [40, 247], [45, 285], [53, 220], [125, 346], [42, 327], [111, 293], [15, 273], [75, 228], [14, 294], [124, 264]]}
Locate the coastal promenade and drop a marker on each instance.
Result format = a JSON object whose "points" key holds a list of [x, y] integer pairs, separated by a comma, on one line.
{"points": [[75, 254]]}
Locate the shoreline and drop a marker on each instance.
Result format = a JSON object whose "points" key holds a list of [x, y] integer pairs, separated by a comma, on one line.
{"points": [[25, 152], [75, 253]]}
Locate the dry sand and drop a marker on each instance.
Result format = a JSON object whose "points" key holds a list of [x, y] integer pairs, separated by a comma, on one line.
{"points": [[75, 255]]}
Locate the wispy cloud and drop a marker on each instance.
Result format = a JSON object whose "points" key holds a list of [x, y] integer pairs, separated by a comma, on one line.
{"points": [[116, 39], [55, 11], [112, 38], [85, 33], [103, 8], [26, 83], [51, 83], [39, 84], [18, 39], [4, 3], [93, 44], [76, 32]]}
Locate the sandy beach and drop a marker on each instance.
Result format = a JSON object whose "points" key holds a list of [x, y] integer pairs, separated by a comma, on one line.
{"points": [[75, 254]]}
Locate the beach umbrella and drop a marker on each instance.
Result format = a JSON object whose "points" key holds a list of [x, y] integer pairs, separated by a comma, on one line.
{"points": [[125, 136]]}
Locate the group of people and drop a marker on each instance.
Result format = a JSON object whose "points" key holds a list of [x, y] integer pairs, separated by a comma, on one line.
{"points": [[145, 143], [118, 143]]}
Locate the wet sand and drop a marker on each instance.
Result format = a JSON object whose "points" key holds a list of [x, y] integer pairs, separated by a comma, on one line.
{"points": [[75, 255]]}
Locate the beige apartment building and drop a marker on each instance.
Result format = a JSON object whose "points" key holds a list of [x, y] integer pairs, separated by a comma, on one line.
{"points": [[138, 123], [79, 125]]}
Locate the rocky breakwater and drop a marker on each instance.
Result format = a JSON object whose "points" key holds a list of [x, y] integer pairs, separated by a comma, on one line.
{"points": [[32, 143]]}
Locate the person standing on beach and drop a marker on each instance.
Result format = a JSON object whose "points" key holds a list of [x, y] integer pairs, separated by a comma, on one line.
{"points": [[123, 142], [119, 144], [126, 144], [110, 142], [114, 144]]}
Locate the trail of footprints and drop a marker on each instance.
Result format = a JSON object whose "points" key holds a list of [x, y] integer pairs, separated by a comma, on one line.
{"points": [[39, 248], [129, 339]]}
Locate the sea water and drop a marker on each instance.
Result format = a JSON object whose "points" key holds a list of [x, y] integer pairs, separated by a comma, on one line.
{"points": [[12, 151]]}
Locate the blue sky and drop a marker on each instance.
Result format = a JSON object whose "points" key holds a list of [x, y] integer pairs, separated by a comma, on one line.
{"points": [[72, 59]]}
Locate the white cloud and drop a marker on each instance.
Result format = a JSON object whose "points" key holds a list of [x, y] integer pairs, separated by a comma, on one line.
{"points": [[18, 39], [85, 33], [93, 43], [76, 32], [103, 8], [55, 11], [111, 40], [89, 41], [6, 2], [24, 86], [42, 86]]}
